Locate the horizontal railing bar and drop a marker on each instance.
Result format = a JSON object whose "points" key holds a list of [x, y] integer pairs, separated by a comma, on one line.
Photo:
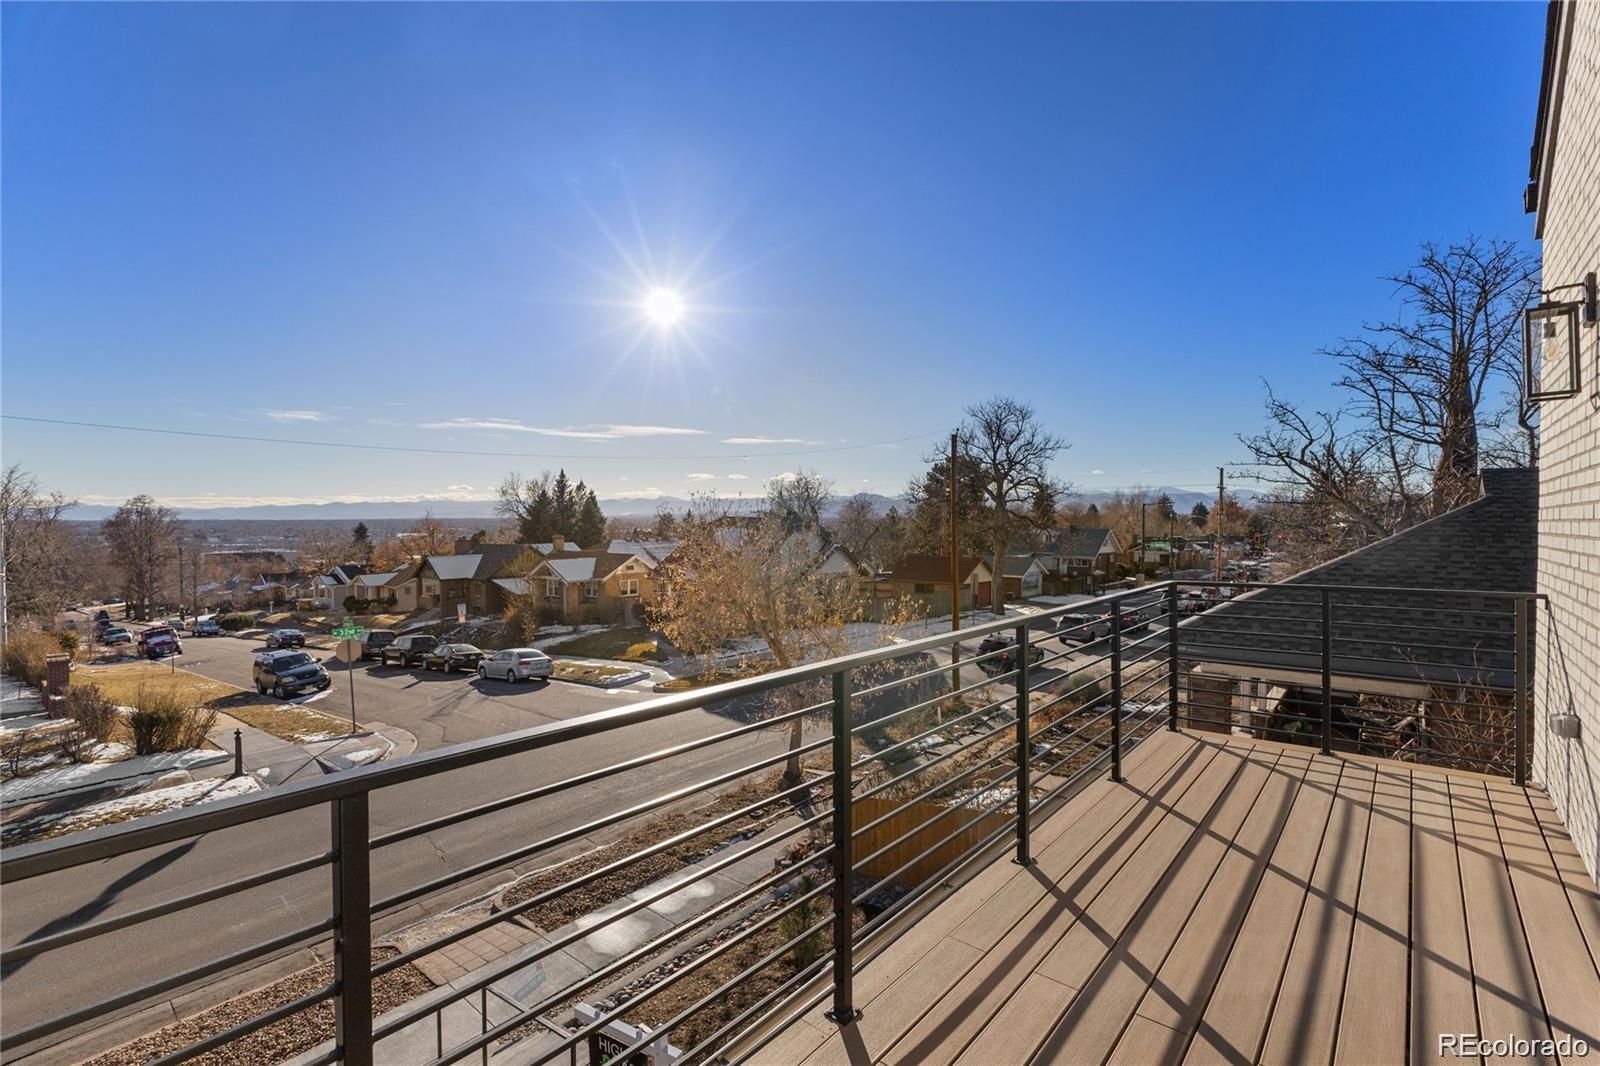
{"points": [[400, 1021], [800, 978], [11, 1041], [1341, 621], [248, 1026], [409, 832], [879, 723], [33, 860], [857, 899], [885, 686], [937, 786], [122, 921], [568, 835], [512, 911], [1307, 586], [931, 763], [874, 756]]}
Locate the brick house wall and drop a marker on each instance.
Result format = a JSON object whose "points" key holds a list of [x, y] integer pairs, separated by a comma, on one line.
{"points": [[1567, 667]]}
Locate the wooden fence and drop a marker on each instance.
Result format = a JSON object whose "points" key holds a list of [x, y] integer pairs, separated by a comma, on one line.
{"points": [[927, 824]]}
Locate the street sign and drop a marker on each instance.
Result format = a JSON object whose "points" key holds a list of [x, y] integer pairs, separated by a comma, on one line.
{"points": [[348, 632], [349, 650]]}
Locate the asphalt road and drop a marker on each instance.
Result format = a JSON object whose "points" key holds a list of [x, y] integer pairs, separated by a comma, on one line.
{"points": [[440, 711]]}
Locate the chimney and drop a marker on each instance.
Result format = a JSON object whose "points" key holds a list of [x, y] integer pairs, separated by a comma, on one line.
{"points": [[558, 542]]}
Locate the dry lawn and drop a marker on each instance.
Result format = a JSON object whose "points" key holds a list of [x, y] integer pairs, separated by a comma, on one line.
{"points": [[592, 673], [632, 644], [121, 682]]}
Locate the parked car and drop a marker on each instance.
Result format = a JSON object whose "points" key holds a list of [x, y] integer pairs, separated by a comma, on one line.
{"points": [[1007, 659], [1192, 602], [102, 615], [288, 673], [408, 650], [517, 664], [159, 641], [1084, 628], [72, 624], [205, 627], [375, 640], [115, 635], [286, 638], [452, 657]]}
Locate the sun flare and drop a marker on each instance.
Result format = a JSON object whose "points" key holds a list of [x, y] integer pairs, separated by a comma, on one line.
{"points": [[663, 306]]}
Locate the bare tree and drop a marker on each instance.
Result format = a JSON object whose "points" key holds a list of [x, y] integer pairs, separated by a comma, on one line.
{"points": [[37, 548], [143, 539], [857, 523], [802, 496], [430, 536], [1012, 453], [1428, 396]]}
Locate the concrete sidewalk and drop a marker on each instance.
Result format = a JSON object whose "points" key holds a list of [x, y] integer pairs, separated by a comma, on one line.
{"points": [[277, 761]]}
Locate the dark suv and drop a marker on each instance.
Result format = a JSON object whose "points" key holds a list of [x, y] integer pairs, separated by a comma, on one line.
{"points": [[1007, 657], [375, 641], [408, 650], [288, 673], [286, 638]]}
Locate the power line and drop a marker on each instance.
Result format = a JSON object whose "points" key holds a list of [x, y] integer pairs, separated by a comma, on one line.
{"points": [[456, 451]]}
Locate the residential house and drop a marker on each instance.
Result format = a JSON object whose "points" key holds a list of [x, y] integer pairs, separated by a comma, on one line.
{"points": [[1079, 558], [1563, 194], [273, 588], [444, 581], [329, 590], [653, 552], [926, 580], [373, 589], [590, 586], [1024, 576]]}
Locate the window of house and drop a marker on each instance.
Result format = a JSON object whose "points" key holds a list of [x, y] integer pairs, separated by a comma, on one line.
{"points": [[552, 588], [923, 587], [591, 591], [628, 586]]}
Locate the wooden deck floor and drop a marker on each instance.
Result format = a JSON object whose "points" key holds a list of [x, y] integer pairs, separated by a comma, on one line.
{"points": [[1242, 902]]}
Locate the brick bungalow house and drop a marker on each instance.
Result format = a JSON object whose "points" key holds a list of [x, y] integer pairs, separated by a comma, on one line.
{"points": [[589, 586], [926, 579]]}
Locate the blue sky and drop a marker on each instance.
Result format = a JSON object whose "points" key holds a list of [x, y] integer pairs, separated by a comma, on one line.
{"points": [[433, 225]]}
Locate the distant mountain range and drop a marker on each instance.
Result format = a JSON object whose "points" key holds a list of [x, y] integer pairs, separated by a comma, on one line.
{"points": [[1182, 500]]}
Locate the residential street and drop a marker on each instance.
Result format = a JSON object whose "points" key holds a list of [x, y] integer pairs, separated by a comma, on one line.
{"points": [[439, 711]]}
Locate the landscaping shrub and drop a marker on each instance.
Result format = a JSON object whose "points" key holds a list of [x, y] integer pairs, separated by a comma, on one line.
{"points": [[352, 603], [797, 921], [25, 653], [93, 711], [70, 642], [232, 623], [162, 720]]}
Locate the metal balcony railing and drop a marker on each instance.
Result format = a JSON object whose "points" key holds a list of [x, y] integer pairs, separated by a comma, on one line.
{"points": [[913, 765]]}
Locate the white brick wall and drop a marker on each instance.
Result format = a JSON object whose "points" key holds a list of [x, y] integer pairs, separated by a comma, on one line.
{"points": [[1568, 663]]}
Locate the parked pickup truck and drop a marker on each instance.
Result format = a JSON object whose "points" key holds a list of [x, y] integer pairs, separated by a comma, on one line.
{"points": [[157, 642]]}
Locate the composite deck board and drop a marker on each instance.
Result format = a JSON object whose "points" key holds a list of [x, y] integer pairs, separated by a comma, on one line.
{"points": [[944, 1033], [1374, 1017], [1503, 980], [1071, 962], [1247, 902], [1314, 976], [1236, 1015], [1567, 978], [1442, 998], [1093, 1023]]}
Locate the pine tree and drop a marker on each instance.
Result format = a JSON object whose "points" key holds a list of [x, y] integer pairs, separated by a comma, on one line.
{"points": [[1199, 516], [563, 506], [590, 528]]}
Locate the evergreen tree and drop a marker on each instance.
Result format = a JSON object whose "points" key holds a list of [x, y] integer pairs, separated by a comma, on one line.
{"points": [[563, 506], [361, 542], [590, 529], [1200, 515]]}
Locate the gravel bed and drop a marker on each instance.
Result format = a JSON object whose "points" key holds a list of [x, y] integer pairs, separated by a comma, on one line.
{"points": [[281, 1040]]}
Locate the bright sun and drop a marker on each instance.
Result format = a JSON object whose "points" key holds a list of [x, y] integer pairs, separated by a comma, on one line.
{"points": [[663, 306]]}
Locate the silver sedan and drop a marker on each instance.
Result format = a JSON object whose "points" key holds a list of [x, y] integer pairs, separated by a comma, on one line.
{"points": [[516, 664]]}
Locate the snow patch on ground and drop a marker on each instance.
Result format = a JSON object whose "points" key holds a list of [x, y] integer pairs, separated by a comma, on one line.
{"points": [[136, 806], [75, 777]]}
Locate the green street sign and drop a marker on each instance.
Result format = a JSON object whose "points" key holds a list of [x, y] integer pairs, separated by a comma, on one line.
{"points": [[348, 632]]}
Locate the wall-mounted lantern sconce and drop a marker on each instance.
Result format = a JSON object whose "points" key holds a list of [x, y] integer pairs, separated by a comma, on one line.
{"points": [[1550, 341]]}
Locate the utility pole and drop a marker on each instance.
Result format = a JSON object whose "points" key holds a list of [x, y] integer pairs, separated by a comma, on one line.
{"points": [[1218, 545], [955, 575], [180, 580]]}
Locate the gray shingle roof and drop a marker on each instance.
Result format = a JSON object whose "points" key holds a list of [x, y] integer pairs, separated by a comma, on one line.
{"points": [[1489, 545], [1080, 542]]}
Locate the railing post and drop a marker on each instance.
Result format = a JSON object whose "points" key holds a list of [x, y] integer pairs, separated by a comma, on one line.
{"points": [[1327, 672], [1116, 690], [1172, 655], [238, 754], [352, 932], [1024, 742], [1519, 773], [844, 1011]]}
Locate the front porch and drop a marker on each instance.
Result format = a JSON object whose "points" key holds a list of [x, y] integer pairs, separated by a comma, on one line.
{"points": [[1238, 901]]}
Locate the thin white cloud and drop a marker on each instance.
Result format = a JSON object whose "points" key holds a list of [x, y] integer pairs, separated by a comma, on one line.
{"points": [[299, 416], [458, 488], [701, 477], [1096, 473], [639, 494], [455, 494], [738, 477], [768, 440], [718, 477], [607, 431]]}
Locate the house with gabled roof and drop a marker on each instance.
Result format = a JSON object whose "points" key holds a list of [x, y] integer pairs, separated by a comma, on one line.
{"points": [[590, 586], [330, 588], [925, 579]]}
